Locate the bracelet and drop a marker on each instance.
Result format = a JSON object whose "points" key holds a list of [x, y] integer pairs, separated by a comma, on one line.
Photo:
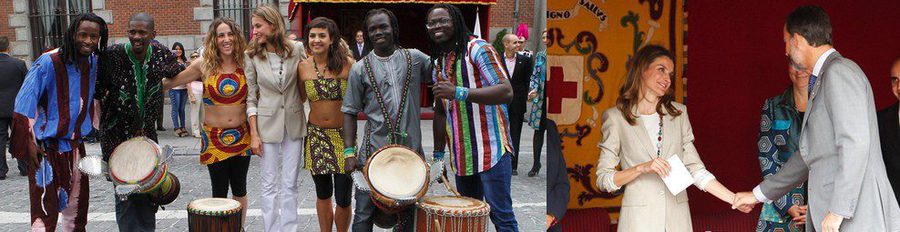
{"points": [[462, 93], [437, 155], [349, 152]]}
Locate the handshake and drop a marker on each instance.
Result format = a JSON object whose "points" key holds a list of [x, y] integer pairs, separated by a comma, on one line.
{"points": [[745, 201]]}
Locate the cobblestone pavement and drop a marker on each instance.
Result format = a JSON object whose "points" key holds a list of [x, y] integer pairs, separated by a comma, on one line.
{"points": [[529, 197]]}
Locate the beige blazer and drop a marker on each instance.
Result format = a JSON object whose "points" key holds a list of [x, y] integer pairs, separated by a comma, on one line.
{"points": [[278, 107], [647, 204]]}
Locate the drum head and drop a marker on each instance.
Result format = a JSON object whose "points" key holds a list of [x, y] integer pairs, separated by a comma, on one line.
{"points": [[397, 172], [453, 203], [134, 160], [214, 206]]}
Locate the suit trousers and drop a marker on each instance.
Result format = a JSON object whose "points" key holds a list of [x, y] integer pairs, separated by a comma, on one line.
{"points": [[516, 119]]}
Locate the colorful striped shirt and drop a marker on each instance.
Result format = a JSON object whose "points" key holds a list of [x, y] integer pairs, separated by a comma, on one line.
{"points": [[478, 134], [57, 105]]}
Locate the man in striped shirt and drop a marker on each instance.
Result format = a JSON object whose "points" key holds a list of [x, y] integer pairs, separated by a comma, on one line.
{"points": [[472, 91]]}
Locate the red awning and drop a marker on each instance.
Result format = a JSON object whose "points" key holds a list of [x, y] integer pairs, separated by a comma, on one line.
{"points": [[480, 2]]}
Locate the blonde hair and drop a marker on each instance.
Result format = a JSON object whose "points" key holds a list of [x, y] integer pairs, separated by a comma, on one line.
{"points": [[280, 40], [212, 60]]}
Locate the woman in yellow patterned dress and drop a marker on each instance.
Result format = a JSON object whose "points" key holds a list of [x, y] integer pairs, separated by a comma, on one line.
{"points": [[324, 78], [225, 135]]}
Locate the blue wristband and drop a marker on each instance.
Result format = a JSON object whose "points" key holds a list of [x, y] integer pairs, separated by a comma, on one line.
{"points": [[462, 93], [437, 155]]}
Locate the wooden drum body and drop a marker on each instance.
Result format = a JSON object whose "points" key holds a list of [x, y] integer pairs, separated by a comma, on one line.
{"points": [[214, 215], [451, 214]]}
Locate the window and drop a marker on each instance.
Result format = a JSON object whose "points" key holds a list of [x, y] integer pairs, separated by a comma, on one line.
{"points": [[240, 11], [49, 20]]}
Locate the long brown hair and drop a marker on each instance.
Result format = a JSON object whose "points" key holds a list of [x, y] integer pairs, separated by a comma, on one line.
{"points": [[212, 60], [279, 40], [337, 53], [629, 94]]}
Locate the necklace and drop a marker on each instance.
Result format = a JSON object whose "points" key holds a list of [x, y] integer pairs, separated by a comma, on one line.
{"points": [[659, 137], [316, 67], [393, 125]]}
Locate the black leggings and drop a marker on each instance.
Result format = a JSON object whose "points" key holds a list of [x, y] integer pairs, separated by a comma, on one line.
{"points": [[342, 188], [229, 171]]}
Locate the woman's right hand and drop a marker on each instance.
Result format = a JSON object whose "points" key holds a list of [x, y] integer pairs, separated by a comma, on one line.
{"points": [[657, 165], [256, 146]]}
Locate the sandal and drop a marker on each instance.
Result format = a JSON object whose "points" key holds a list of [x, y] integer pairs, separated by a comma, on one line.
{"points": [[180, 132]]}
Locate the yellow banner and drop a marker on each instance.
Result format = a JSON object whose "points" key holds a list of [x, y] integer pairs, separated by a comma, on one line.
{"points": [[591, 43]]}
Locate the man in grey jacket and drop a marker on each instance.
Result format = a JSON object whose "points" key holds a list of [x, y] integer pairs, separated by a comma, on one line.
{"points": [[840, 152]]}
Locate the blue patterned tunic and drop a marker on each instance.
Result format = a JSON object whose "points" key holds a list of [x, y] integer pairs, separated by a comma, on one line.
{"points": [[779, 138]]}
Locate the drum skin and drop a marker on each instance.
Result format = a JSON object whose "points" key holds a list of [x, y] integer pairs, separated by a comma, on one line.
{"points": [[214, 215], [451, 214], [384, 202]]}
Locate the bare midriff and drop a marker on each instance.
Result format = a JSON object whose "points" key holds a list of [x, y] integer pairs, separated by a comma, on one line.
{"points": [[225, 116]]}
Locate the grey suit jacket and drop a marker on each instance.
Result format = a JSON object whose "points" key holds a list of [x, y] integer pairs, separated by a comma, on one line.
{"points": [[840, 154], [278, 107]]}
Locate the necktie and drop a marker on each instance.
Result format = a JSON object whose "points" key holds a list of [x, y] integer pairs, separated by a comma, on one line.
{"points": [[812, 82]]}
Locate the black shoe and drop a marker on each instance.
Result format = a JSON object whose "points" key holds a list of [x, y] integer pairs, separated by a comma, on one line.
{"points": [[160, 128], [23, 174], [3, 177], [534, 171], [515, 173]]}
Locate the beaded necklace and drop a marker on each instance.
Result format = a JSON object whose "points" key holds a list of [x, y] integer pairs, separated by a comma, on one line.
{"points": [[393, 125]]}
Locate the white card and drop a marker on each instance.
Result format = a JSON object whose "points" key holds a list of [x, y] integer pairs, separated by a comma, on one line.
{"points": [[679, 178]]}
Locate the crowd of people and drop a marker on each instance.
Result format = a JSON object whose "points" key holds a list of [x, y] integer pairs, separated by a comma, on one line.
{"points": [[252, 93]]}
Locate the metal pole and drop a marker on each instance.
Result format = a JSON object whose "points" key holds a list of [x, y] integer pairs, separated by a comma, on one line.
{"points": [[540, 23], [515, 18]]}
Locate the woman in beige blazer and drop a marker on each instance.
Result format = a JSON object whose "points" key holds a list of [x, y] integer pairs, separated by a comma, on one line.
{"points": [[644, 130], [276, 116]]}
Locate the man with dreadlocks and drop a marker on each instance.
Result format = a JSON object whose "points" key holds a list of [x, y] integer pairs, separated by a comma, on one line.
{"points": [[385, 86], [51, 117], [472, 91], [130, 90]]}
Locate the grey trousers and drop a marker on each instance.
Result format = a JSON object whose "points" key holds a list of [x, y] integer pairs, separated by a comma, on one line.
{"points": [[365, 209], [136, 214]]}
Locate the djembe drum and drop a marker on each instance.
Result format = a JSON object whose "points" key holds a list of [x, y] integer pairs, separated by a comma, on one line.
{"points": [[397, 177], [137, 166], [214, 214], [451, 214]]}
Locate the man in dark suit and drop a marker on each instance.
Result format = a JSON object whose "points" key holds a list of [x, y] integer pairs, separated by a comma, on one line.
{"points": [[557, 179], [519, 67], [13, 71], [888, 128], [360, 49]]}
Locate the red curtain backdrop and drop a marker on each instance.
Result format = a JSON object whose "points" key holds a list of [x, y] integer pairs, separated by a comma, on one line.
{"points": [[736, 61]]}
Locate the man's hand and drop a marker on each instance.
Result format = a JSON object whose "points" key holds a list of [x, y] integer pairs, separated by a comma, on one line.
{"points": [[798, 213], [444, 90], [832, 222], [744, 201], [532, 94], [256, 145], [35, 154], [350, 164]]}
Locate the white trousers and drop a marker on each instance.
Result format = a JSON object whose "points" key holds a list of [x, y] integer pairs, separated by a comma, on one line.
{"points": [[280, 187], [195, 113]]}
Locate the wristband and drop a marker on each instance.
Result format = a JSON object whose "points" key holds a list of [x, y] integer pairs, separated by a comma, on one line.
{"points": [[349, 152], [437, 155], [462, 93]]}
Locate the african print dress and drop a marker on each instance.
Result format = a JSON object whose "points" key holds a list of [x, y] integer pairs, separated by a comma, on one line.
{"points": [[218, 144]]}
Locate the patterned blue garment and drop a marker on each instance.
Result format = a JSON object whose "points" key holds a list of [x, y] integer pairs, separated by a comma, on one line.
{"points": [[41, 99], [779, 138], [538, 81]]}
